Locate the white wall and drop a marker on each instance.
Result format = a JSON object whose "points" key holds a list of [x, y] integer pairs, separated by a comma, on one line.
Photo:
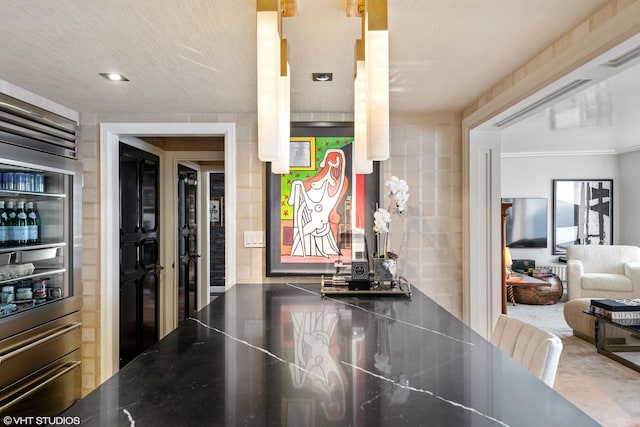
{"points": [[532, 176], [629, 205]]}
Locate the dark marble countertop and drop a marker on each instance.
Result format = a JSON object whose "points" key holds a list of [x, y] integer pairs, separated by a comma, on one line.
{"points": [[282, 355]]}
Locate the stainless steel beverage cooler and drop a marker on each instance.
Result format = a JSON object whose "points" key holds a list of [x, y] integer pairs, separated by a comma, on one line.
{"points": [[40, 319]]}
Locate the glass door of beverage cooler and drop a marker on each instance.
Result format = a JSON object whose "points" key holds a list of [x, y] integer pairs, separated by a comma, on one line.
{"points": [[35, 238]]}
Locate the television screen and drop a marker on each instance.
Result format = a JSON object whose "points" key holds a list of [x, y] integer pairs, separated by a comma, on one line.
{"points": [[526, 223]]}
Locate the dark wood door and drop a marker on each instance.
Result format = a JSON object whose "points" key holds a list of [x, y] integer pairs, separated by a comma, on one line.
{"points": [[139, 251], [188, 256]]}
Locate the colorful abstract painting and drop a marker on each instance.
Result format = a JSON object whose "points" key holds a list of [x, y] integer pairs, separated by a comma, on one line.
{"points": [[317, 207]]}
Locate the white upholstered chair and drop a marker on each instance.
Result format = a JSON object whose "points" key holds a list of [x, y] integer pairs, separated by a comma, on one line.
{"points": [[595, 272], [603, 271], [534, 348]]}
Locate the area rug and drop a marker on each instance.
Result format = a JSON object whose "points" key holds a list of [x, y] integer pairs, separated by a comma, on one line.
{"points": [[547, 317], [604, 389]]}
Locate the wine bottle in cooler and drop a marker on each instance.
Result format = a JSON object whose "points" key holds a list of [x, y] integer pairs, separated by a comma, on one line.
{"points": [[4, 227], [20, 229], [38, 222], [11, 219], [33, 224]]}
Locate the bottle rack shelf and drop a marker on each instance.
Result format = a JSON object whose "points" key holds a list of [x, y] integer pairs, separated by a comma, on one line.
{"points": [[25, 248], [14, 193], [41, 272]]}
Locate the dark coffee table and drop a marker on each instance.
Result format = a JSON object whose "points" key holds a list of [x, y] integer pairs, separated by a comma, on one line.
{"points": [[615, 348]]}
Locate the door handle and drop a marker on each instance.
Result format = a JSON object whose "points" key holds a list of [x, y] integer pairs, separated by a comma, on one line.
{"points": [[37, 340], [188, 258], [157, 269], [39, 383]]}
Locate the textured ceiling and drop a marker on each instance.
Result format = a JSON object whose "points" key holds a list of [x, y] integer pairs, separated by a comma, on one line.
{"points": [[200, 55]]}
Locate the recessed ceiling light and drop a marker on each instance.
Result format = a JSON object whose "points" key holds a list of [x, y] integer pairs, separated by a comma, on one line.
{"points": [[115, 77], [322, 77]]}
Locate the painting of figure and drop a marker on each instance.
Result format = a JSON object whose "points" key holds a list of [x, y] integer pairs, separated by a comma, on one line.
{"points": [[314, 202], [313, 210]]}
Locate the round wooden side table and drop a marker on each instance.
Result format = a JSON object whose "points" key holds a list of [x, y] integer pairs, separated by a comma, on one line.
{"points": [[539, 294]]}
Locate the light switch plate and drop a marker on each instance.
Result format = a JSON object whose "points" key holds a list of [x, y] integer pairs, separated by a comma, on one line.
{"points": [[254, 239]]}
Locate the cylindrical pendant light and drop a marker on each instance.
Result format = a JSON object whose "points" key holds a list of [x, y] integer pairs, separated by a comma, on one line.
{"points": [[282, 165], [268, 73], [377, 65], [362, 163]]}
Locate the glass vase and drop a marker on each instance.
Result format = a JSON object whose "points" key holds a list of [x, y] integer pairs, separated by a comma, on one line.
{"points": [[385, 271]]}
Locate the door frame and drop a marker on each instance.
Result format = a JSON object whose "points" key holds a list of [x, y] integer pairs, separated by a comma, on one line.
{"points": [[110, 135]]}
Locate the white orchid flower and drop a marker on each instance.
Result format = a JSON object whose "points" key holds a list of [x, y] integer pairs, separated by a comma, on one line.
{"points": [[398, 192], [381, 219]]}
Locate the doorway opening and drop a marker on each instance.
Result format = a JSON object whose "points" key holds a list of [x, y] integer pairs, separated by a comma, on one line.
{"points": [[135, 134], [216, 224], [482, 134]]}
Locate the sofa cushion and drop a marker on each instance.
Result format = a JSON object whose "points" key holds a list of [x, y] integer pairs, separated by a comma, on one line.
{"points": [[605, 281]]}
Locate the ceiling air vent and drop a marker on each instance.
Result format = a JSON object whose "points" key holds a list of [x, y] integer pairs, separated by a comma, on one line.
{"points": [[623, 59], [553, 96]]}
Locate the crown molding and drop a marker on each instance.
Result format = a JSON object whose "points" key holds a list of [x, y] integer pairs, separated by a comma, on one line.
{"points": [[608, 152], [629, 149]]}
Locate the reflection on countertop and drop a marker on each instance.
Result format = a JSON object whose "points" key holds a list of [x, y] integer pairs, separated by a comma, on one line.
{"points": [[281, 354]]}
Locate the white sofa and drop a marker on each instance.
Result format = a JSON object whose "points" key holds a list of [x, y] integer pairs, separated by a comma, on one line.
{"points": [[603, 271]]}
